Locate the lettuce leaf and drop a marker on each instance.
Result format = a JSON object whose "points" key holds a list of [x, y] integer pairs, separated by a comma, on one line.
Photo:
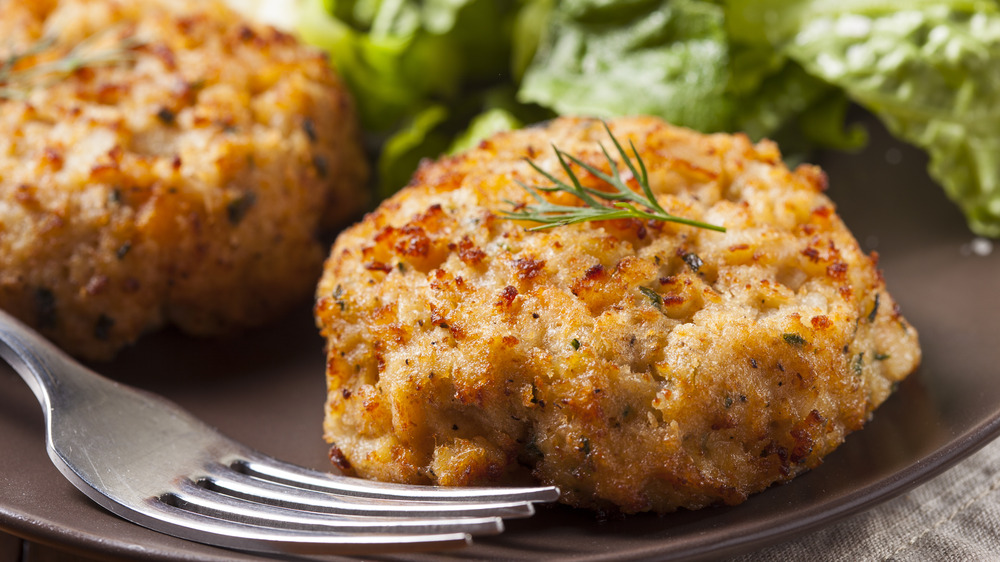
{"points": [[606, 58], [930, 71], [422, 70], [400, 56], [483, 126], [439, 129], [683, 61], [421, 136], [778, 99]]}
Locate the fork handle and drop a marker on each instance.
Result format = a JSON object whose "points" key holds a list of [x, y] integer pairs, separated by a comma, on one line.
{"points": [[33, 357]]}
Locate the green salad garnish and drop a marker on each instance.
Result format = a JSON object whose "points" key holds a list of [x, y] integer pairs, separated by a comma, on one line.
{"points": [[433, 76]]}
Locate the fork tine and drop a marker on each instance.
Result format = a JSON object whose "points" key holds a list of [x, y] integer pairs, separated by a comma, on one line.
{"points": [[239, 485], [292, 475], [194, 498], [240, 535]]}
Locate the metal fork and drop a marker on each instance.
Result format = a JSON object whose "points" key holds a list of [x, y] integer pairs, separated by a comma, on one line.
{"points": [[148, 461]]}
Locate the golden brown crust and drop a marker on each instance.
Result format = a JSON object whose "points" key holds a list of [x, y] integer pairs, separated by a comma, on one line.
{"points": [[186, 185], [638, 366]]}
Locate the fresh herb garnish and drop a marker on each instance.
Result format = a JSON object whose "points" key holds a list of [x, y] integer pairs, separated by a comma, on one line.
{"points": [[17, 81], [625, 203]]}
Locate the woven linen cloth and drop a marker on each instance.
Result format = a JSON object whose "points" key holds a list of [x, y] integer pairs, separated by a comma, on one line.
{"points": [[953, 517]]}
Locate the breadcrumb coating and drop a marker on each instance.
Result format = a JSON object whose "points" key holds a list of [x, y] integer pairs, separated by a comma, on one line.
{"points": [[184, 184], [639, 366]]}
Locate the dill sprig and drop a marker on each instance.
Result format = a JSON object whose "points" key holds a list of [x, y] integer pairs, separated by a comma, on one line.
{"points": [[17, 83], [622, 203]]}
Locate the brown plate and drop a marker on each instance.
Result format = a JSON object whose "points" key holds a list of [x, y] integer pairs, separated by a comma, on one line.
{"points": [[267, 389]]}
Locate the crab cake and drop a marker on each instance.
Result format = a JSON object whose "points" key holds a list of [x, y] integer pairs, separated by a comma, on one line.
{"points": [[637, 365], [180, 175]]}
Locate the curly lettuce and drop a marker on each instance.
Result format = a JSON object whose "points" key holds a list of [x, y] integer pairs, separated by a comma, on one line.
{"points": [[930, 72], [432, 76], [667, 58], [399, 57]]}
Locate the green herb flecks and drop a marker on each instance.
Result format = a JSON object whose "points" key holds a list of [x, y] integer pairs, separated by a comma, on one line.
{"points": [[874, 311], [238, 207], [622, 203], [693, 261], [18, 80], [793, 339], [338, 294], [859, 364], [653, 296]]}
